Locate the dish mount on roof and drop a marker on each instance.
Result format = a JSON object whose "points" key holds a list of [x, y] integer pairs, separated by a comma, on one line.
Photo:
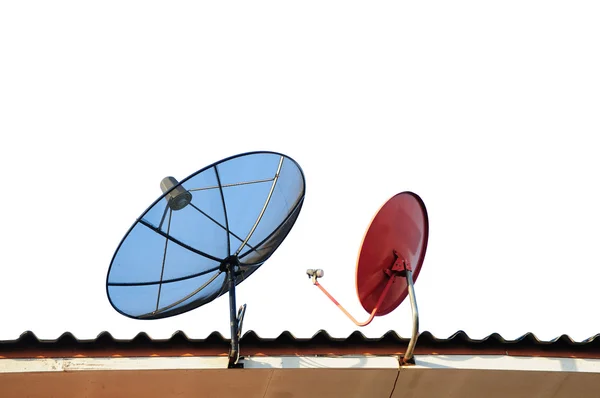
{"points": [[205, 235], [391, 256]]}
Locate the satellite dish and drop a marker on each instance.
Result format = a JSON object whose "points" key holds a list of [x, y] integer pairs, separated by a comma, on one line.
{"points": [[390, 259], [205, 235]]}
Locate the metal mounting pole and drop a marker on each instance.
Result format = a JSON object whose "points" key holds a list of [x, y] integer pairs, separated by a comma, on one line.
{"points": [[234, 350], [408, 356], [235, 318]]}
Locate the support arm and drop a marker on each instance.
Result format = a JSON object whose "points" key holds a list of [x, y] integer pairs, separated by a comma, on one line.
{"points": [[415, 319], [373, 313]]}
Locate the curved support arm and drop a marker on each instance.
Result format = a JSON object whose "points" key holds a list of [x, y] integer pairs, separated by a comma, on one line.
{"points": [[373, 313], [415, 319]]}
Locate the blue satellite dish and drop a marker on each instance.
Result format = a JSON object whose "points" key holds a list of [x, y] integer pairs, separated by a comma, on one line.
{"points": [[205, 235]]}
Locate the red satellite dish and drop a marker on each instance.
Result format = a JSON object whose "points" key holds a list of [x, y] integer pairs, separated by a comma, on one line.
{"points": [[390, 259]]}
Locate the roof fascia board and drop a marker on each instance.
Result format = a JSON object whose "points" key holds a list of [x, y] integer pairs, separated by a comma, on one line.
{"points": [[484, 362], [506, 362]]}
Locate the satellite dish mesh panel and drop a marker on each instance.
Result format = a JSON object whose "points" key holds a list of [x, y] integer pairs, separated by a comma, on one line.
{"points": [[171, 259]]}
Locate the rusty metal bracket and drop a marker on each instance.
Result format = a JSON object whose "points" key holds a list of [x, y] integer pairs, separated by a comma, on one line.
{"points": [[400, 265]]}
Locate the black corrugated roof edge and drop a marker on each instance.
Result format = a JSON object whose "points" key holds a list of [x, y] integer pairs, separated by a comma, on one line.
{"points": [[459, 338]]}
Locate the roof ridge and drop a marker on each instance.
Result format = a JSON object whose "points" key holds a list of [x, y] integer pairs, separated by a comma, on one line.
{"points": [[460, 336]]}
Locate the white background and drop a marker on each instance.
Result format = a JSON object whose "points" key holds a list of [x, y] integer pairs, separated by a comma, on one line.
{"points": [[488, 110]]}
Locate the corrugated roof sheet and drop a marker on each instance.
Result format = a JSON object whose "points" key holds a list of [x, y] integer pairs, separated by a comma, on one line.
{"points": [[29, 337], [321, 343]]}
